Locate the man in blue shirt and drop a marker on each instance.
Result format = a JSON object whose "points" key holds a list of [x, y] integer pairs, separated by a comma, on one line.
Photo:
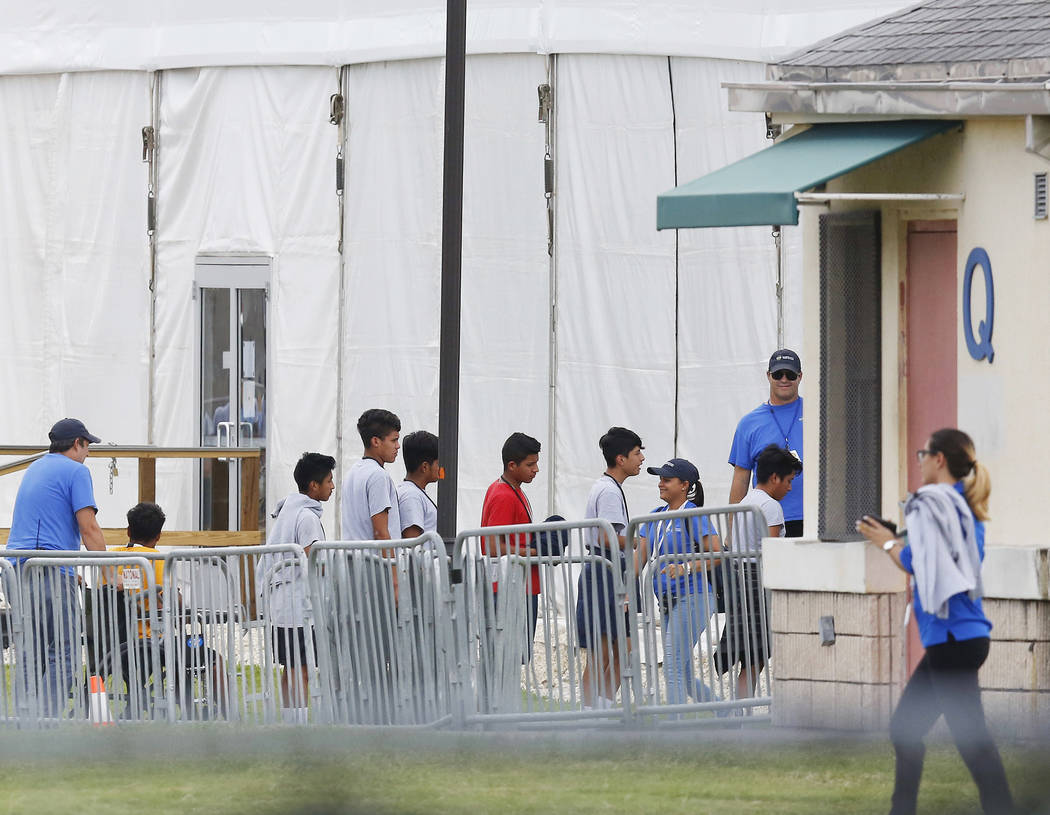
{"points": [[55, 509], [776, 421]]}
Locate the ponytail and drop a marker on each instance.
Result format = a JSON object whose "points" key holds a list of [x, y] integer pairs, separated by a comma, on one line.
{"points": [[696, 494], [961, 458], [978, 487]]}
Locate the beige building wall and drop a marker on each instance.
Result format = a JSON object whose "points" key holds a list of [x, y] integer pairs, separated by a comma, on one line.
{"points": [[1004, 405]]}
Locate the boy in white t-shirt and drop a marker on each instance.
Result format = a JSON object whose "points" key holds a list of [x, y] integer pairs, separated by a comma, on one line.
{"points": [[418, 511], [775, 469], [596, 606]]}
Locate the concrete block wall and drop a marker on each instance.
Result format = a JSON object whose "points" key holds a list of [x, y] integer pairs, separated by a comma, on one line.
{"points": [[855, 683], [850, 685], [1016, 677]]}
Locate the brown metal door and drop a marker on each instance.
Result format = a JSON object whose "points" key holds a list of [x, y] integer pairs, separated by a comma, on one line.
{"points": [[932, 308], [931, 338]]}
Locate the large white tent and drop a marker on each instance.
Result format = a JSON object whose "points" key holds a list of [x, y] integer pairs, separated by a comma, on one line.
{"points": [[662, 332]]}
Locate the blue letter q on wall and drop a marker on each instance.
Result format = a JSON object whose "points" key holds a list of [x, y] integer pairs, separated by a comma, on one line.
{"points": [[980, 346]]}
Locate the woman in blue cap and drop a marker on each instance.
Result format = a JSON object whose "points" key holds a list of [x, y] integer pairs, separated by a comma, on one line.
{"points": [[679, 581]]}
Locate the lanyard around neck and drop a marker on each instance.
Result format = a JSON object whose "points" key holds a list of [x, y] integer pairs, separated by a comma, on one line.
{"points": [[626, 512], [791, 424], [427, 494], [520, 496]]}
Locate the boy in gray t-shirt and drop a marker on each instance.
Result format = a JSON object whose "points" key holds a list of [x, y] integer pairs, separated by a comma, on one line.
{"points": [[418, 511], [281, 586], [596, 606], [369, 510], [370, 513]]}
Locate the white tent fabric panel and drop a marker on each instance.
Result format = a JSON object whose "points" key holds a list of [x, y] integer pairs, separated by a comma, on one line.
{"points": [[26, 160], [392, 247], [75, 267], [727, 279], [50, 36], [505, 351], [246, 163], [615, 272], [393, 259]]}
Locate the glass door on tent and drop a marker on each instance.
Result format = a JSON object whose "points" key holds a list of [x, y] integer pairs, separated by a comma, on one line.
{"points": [[231, 295]]}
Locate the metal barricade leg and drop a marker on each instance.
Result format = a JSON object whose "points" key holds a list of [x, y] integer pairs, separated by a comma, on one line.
{"points": [[682, 627], [30, 644], [597, 609], [60, 607]]}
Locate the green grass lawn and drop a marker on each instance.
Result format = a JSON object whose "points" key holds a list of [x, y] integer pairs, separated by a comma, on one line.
{"points": [[217, 769]]}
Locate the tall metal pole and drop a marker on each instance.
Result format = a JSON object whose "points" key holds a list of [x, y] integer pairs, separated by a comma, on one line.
{"points": [[451, 267]]}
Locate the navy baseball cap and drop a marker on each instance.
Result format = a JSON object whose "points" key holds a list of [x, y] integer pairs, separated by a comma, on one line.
{"points": [[784, 360], [677, 468], [70, 429], [551, 542]]}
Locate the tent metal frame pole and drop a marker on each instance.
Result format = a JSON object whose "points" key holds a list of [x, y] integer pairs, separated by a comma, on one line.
{"points": [[778, 247], [550, 153], [151, 371], [340, 391], [677, 267], [451, 268]]}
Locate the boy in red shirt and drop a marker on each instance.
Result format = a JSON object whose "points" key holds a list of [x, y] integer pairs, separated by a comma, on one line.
{"points": [[505, 504]]}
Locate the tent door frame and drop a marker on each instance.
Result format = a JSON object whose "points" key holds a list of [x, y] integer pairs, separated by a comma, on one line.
{"points": [[237, 275]]}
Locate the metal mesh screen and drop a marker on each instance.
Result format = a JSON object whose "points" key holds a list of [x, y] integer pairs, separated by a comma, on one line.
{"points": [[850, 375]]}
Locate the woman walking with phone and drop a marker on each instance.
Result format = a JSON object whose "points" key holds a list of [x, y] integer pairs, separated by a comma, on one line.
{"points": [[942, 550]]}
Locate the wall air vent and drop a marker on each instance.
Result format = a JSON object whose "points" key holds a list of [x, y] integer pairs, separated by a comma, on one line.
{"points": [[1040, 196]]}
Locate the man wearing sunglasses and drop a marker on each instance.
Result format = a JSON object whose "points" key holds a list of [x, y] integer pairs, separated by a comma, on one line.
{"points": [[776, 421]]}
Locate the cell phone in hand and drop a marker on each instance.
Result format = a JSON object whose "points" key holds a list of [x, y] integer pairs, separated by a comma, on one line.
{"points": [[890, 525]]}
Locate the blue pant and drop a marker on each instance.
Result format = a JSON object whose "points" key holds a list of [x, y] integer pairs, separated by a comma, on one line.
{"points": [[682, 628], [52, 637]]}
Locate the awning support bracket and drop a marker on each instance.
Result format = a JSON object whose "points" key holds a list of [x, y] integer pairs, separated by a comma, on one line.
{"points": [[827, 197]]}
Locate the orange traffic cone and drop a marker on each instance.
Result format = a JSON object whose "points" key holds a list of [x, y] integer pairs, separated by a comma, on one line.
{"points": [[99, 702]]}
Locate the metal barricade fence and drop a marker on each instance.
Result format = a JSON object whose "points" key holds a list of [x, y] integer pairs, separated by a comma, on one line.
{"points": [[80, 645], [222, 643], [384, 643], [13, 705], [541, 624], [289, 674], [519, 652], [704, 625]]}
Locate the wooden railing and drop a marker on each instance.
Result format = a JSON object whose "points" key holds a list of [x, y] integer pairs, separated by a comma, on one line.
{"points": [[147, 458], [205, 538]]}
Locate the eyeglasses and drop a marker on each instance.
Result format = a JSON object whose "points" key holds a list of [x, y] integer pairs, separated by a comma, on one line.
{"points": [[778, 375], [921, 454]]}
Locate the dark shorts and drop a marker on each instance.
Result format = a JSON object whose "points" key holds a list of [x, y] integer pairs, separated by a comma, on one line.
{"points": [[289, 646], [746, 639], [597, 606]]}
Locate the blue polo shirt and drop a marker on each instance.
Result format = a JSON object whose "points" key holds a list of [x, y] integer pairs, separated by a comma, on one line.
{"points": [[679, 536], [765, 425], [53, 489], [966, 620]]}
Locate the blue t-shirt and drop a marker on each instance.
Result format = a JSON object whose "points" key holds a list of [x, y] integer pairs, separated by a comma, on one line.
{"points": [[765, 425], [52, 490], [966, 620], [674, 537]]}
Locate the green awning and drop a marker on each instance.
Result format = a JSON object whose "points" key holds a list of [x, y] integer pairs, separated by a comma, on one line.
{"points": [[760, 189]]}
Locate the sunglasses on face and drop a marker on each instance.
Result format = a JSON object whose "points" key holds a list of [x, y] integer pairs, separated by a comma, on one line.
{"points": [[778, 375]]}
